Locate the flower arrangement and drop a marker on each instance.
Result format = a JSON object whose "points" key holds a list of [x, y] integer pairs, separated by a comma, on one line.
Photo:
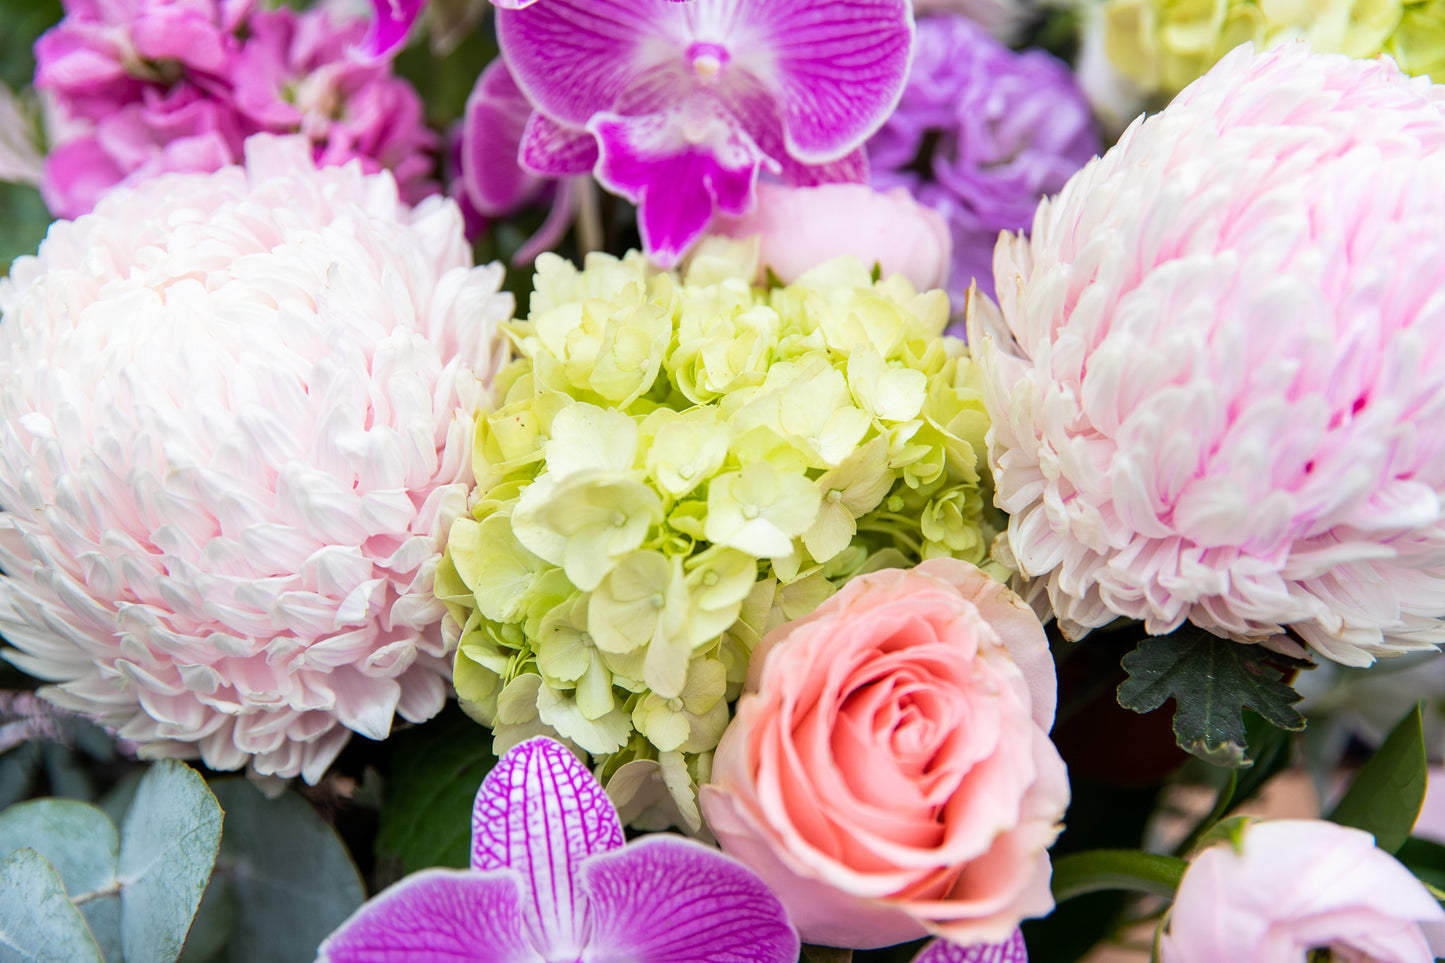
{"points": [[766, 483]]}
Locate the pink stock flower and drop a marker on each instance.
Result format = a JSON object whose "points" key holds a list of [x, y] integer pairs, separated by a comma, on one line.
{"points": [[679, 106], [800, 227], [148, 86], [1217, 384], [1297, 885], [888, 771], [235, 424]]}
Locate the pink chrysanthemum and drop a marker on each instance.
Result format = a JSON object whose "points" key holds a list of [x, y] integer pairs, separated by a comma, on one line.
{"points": [[235, 422], [1218, 381]]}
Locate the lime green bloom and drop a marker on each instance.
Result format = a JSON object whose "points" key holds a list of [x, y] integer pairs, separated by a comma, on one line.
{"points": [[672, 466], [1163, 45]]}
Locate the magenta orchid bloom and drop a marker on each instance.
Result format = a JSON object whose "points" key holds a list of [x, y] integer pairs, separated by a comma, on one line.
{"points": [[678, 107], [394, 18], [552, 880], [1011, 950]]}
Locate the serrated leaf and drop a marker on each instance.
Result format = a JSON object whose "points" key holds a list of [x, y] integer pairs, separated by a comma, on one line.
{"points": [[38, 922], [1211, 681], [82, 845], [1385, 796], [168, 845], [426, 813], [291, 878]]}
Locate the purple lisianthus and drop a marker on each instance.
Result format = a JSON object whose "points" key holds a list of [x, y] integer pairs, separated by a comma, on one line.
{"points": [[980, 135], [145, 87], [552, 880], [678, 107]]}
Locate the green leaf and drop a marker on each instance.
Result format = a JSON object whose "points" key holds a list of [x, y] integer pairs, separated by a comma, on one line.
{"points": [[82, 845], [426, 812], [1211, 681], [290, 876], [24, 219], [25, 21], [1127, 869], [1426, 859], [1385, 796], [168, 845], [38, 922]]}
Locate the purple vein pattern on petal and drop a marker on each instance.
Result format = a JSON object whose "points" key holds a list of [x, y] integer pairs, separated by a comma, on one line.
{"points": [[840, 66], [540, 812], [665, 899], [551, 150], [492, 126], [573, 58], [1011, 950], [438, 915]]}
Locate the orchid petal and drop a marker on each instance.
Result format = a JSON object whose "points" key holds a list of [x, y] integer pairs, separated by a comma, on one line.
{"points": [[838, 66], [496, 115], [559, 219], [540, 813], [851, 168], [551, 150], [573, 58], [665, 899], [677, 171], [390, 26], [1011, 950], [451, 914]]}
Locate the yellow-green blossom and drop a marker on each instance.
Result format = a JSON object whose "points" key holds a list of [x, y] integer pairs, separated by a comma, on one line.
{"points": [[1163, 45], [675, 465]]}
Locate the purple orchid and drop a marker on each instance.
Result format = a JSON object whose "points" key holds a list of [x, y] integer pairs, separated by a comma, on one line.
{"points": [[1011, 950], [678, 107], [551, 881]]}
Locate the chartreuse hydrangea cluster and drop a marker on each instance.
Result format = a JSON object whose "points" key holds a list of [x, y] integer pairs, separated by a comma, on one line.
{"points": [[1164, 45], [675, 465]]}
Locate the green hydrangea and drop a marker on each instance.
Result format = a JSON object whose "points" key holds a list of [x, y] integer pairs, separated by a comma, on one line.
{"points": [[674, 466], [1163, 45]]}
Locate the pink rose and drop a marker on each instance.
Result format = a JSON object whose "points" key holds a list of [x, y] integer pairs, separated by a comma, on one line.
{"points": [[889, 771], [800, 227], [1294, 885]]}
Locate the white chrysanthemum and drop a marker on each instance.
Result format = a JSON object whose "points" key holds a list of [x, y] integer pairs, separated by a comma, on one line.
{"points": [[235, 422], [1217, 387]]}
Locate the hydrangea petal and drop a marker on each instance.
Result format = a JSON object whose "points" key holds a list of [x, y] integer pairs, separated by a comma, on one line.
{"points": [[540, 812], [664, 899], [1011, 950], [457, 915], [676, 182]]}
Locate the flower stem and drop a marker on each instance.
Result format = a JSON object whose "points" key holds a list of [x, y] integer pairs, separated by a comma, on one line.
{"points": [[1127, 869]]}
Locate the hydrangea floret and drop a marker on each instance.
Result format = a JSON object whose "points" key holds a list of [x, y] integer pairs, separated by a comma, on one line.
{"points": [[674, 465], [1163, 45]]}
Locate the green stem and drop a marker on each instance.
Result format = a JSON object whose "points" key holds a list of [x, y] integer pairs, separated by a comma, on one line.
{"points": [[1105, 869], [1221, 806]]}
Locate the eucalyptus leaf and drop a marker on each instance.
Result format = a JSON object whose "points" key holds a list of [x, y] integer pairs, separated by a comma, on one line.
{"points": [[82, 845], [426, 813], [168, 845], [291, 878], [1385, 796], [1211, 681], [38, 922]]}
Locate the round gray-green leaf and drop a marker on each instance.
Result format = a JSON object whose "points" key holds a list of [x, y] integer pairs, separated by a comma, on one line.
{"points": [[81, 843], [291, 878], [168, 846], [38, 922]]}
